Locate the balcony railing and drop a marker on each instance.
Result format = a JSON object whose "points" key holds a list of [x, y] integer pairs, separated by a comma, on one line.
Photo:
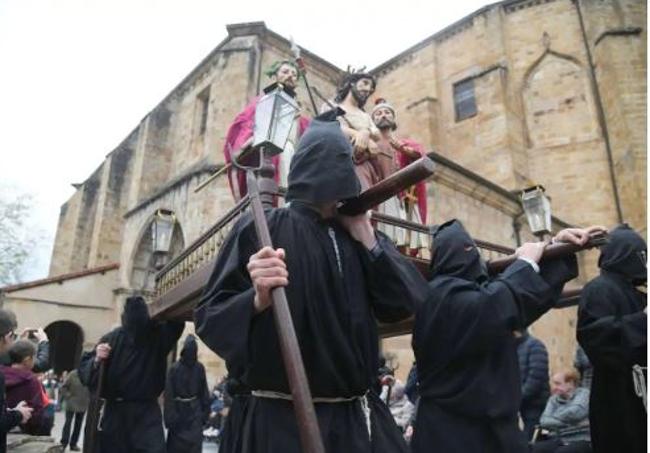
{"points": [[180, 282], [201, 252]]}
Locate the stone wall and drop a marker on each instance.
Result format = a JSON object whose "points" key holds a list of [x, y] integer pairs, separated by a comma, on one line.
{"points": [[537, 109], [85, 300], [616, 32]]}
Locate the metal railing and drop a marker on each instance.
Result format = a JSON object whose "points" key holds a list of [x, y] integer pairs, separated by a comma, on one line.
{"points": [[200, 252], [205, 248]]}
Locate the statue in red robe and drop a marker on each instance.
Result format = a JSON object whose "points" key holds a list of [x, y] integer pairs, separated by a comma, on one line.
{"points": [[240, 132], [395, 154]]}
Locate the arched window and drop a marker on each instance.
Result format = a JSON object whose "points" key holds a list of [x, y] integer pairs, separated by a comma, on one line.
{"points": [[558, 103]]}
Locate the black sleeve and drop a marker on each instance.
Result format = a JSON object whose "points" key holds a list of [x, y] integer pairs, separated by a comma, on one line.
{"points": [[477, 317], [608, 337], [224, 313], [555, 273], [395, 285], [42, 360], [88, 368], [534, 293], [204, 396], [8, 418], [170, 332], [170, 415]]}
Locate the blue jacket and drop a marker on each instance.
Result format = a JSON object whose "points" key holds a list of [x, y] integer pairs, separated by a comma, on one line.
{"points": [[533, 369]]}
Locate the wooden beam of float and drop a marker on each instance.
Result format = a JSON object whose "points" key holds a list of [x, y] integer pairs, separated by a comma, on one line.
{"points": [[399, 181]]}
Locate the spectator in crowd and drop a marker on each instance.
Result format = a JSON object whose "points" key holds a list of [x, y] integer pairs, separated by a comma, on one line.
{"points": [[400, 407], [76, 398], [235, 405], [38, 336], [566, 416], [583, 365], [533, 369], [23, 385], [411, 388], [385, 377], [9, 418], [50, 382]]}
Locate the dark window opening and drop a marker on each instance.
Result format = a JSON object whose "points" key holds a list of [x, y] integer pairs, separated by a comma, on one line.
{"points": [[464, 100], [204, 103]]}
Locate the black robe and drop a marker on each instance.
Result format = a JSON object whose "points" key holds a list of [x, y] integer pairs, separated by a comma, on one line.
{"points": [[187, 402], [463, 340], [337, 290], [612, 330], [238, 396], [134, 378]]}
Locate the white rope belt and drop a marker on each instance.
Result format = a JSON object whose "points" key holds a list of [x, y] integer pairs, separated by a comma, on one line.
{"points": [[639, 384], [363, 401]]}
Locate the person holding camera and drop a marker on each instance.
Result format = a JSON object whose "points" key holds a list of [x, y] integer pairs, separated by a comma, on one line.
{"points": [[37, 336], [9, 418]]}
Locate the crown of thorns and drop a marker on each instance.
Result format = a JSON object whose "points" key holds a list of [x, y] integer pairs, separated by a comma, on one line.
{"points": [[273, 69], [353, 75]]}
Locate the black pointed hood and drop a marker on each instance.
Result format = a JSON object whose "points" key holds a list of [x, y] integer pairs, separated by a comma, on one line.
{"points": [[190, 351], [455, 254], [135, 317], [321, 169], [625, 254]]}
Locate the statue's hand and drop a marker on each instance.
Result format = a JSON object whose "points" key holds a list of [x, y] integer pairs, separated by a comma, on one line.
{"points": [[360, 140]]}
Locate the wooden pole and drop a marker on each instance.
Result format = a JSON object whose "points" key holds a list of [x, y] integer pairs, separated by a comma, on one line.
{"points": [[92, 421], [551, 251], [303, 405], [389, 187]]}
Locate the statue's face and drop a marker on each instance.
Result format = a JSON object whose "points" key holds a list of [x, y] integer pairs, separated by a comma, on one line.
{"points": [[362, 90], [287, 75], [384, 118]]}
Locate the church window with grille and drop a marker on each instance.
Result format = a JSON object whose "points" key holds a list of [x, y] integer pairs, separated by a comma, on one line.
{"points": [[464, 100]]}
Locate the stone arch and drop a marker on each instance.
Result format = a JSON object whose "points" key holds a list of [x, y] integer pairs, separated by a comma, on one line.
{"points": [[142, 272], [66, 342], [558, 102]]}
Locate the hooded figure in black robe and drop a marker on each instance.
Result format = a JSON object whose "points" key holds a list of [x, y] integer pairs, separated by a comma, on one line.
{"points": [[612, 330], [187, 401], [134, 378], [337, 291], [465, 349]]}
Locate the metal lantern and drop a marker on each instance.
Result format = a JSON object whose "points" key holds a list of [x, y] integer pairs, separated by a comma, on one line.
{"points": [[274, 115], [161, 231], [537, 207]]}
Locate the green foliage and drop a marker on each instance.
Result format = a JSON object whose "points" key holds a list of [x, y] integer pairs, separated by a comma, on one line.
{"points": [[16, 242]]}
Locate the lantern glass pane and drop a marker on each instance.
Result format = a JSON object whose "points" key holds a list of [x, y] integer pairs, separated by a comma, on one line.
{"points": [[538, 211], [263, 119], [162, 234], [154, 235], [547, 213], [284, 113]]}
